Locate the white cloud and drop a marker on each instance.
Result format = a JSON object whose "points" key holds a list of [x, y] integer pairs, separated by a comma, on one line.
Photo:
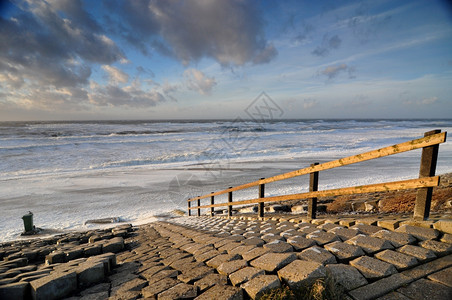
{"points": [[115, 75], [198, 81]]}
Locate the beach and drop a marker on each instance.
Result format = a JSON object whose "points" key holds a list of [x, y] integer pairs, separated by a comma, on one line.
{"points": [[69, 172]]}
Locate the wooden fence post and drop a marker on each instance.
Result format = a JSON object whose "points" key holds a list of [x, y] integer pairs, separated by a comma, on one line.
{"points": [[260, 208], [313, 187], [212, 202], [189, 210], [427, 169], [199, 204], [230, 201]]}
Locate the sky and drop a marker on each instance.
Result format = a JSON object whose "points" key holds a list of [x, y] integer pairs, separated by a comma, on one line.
{"points": [[206, 59]]}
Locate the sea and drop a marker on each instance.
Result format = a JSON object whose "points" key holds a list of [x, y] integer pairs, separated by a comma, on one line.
{"points": [[67, 173]]}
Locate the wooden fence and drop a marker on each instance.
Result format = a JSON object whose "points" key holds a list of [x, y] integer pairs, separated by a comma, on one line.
{"points": [[425, 183]]}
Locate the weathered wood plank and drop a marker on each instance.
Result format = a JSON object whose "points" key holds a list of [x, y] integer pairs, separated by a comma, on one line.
{"points": [[379, 187], [391, 150]]}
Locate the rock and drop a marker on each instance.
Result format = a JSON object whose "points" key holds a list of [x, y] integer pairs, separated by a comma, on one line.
{"points": [[370, 244], [278, 246], [443, 277], [399, 260], [114, 245], [299, 243], [343, 251], [158, 287], [210, 280], [438, 248], [420, 253], [426, 289], [229, 267], [444, 226], [419, 232], [397, 239], [317, 254], [90, 273]]}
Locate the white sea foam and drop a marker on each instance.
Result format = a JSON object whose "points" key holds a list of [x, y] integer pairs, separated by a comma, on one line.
{"points": [[69, 172]]}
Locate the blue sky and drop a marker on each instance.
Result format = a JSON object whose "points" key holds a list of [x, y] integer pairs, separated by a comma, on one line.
{"points": [[201, 59]]}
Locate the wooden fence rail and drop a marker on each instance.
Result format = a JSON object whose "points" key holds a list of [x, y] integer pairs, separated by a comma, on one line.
{"points": [[427, 180]]}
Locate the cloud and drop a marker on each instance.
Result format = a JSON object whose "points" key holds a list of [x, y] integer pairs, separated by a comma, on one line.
{"points": [[423, 102], [115, 75], [230, 32], [309, 103], [198, 81], [333, 71], [328, 44]]}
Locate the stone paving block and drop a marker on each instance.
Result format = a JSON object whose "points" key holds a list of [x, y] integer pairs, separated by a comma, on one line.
{"points": [[225, 292], [346, 276], [370, 244], [90, 273], [278, 246], [328, 226], [183, 263], [54, 286], [218, 260], [373, 268], [210, 280], [152, 270], [114, 245], [253, 241], [161, 275], [426, 289], [202, 250], [397, 239], [154, 289], [317, 254], [236, 237], [301, 273], [389, 224], [227, 247], [344, 252], [393, 296], [446, 238], [254, 253], [133, 285], [419, 232], [55, 257], [257, 286], [179, 291], [399, 260], [420, 253], [443, 225], [272, 262], [429, 268], [193, 275], [244, 275], [439, 248], [347, 222], [207, 255], [169, 260], [241, 249], [300, 243], [380, 287], [13, 291], [322, 237], [230, 267], [443, 277], [270, 237], [344, 233], [366, 229]]}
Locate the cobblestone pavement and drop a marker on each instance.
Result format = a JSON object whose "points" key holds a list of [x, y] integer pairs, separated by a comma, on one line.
{"points": [[237, 258]]}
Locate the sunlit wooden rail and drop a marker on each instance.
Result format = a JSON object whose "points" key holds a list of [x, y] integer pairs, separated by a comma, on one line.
{"points": [[425, 183]]}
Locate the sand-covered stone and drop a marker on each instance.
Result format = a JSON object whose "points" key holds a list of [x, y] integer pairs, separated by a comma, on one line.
{"points": [[244, 275], [257, 286], [273, 261], [373, 268], [443, 277], [301, 273], [346, 276]]}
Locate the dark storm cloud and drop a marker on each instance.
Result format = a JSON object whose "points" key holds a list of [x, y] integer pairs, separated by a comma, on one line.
{"points": [[231, 32]]}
